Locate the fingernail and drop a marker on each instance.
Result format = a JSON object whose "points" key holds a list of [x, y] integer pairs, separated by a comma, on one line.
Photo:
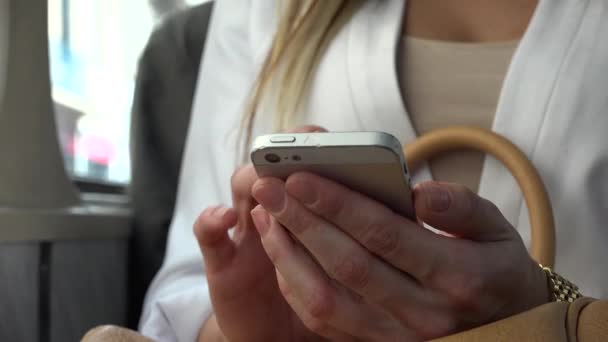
{"points": [[270, 195], [303, 191], [261, 219], [437, 197]]}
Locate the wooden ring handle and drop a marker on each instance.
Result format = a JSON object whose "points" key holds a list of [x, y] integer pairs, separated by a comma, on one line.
{"points": [[542, 225]]}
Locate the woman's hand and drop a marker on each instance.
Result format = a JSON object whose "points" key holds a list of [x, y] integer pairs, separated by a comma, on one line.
{"points": [[238, 271], [247, 303], [364, 253]]}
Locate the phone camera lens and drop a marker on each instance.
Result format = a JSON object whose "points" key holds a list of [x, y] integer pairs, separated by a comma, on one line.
{"points": [[272, 158], [296, 158]]}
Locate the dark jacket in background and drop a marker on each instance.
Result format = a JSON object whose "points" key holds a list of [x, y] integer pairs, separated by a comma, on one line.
{"points": [[166, 81]]}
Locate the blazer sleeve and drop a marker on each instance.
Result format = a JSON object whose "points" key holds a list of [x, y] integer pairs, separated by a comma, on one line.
{"points": [[177, 302]]}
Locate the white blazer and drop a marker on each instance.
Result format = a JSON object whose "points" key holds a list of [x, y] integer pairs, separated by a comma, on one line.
{"points": [[554, 106]]}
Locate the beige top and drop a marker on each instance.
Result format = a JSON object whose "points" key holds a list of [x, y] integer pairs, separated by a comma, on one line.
{"points": [[446, 84]]}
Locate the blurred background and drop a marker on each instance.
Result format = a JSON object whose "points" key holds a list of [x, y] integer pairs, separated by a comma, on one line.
{"points": [[79, 248], [94, 50]]}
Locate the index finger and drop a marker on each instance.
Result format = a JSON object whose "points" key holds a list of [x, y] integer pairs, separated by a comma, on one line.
{"points": [[398, 240]]}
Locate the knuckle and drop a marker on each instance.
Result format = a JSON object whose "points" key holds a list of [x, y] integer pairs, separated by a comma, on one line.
{"points": [[488, 207], [272, 249], [472, 204], [298, 221], [315, 325], [353, 270], [463, 190], [466, 289], [272, 253], [284, 288], [202, 222], [491, 207], [431, 270], [320, 305], [446, 324], [198, 225], [240, 181], [235, 176], [382, 239], [330, 204], [436, 325]]}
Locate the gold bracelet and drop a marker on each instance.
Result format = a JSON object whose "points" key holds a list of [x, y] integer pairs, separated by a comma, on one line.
{"points": [[562, 290]]}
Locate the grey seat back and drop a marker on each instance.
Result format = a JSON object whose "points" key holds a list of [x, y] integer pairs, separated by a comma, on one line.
{"points": [[165, 86]]}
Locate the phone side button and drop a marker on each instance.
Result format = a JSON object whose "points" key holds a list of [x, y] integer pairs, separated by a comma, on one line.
{"points": [[282, 139]]}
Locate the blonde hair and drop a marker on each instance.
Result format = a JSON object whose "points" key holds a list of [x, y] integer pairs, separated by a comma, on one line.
{"points": [[304, 30]]}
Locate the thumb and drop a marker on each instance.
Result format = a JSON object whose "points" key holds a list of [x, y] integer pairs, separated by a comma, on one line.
{"points": [[456, 210]]}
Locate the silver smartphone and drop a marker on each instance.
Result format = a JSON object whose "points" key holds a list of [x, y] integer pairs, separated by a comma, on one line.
{"points": [[371, 163]]}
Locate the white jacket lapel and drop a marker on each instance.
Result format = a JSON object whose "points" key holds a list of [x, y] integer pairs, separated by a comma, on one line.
{"points": [[527, 92]]}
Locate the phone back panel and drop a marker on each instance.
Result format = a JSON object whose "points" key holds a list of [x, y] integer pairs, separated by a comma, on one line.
{"points": [[374, 171]]}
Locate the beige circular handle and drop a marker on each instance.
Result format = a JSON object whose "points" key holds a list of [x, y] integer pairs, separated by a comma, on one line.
{"points": [[539, 206]]}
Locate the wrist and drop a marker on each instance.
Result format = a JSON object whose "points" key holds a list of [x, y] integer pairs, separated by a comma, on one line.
{"points": [[210, 331], [540, 290]]}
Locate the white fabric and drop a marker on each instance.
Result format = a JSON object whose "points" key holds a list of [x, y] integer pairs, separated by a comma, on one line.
{"points": [[553, 106], [453, 83]]}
